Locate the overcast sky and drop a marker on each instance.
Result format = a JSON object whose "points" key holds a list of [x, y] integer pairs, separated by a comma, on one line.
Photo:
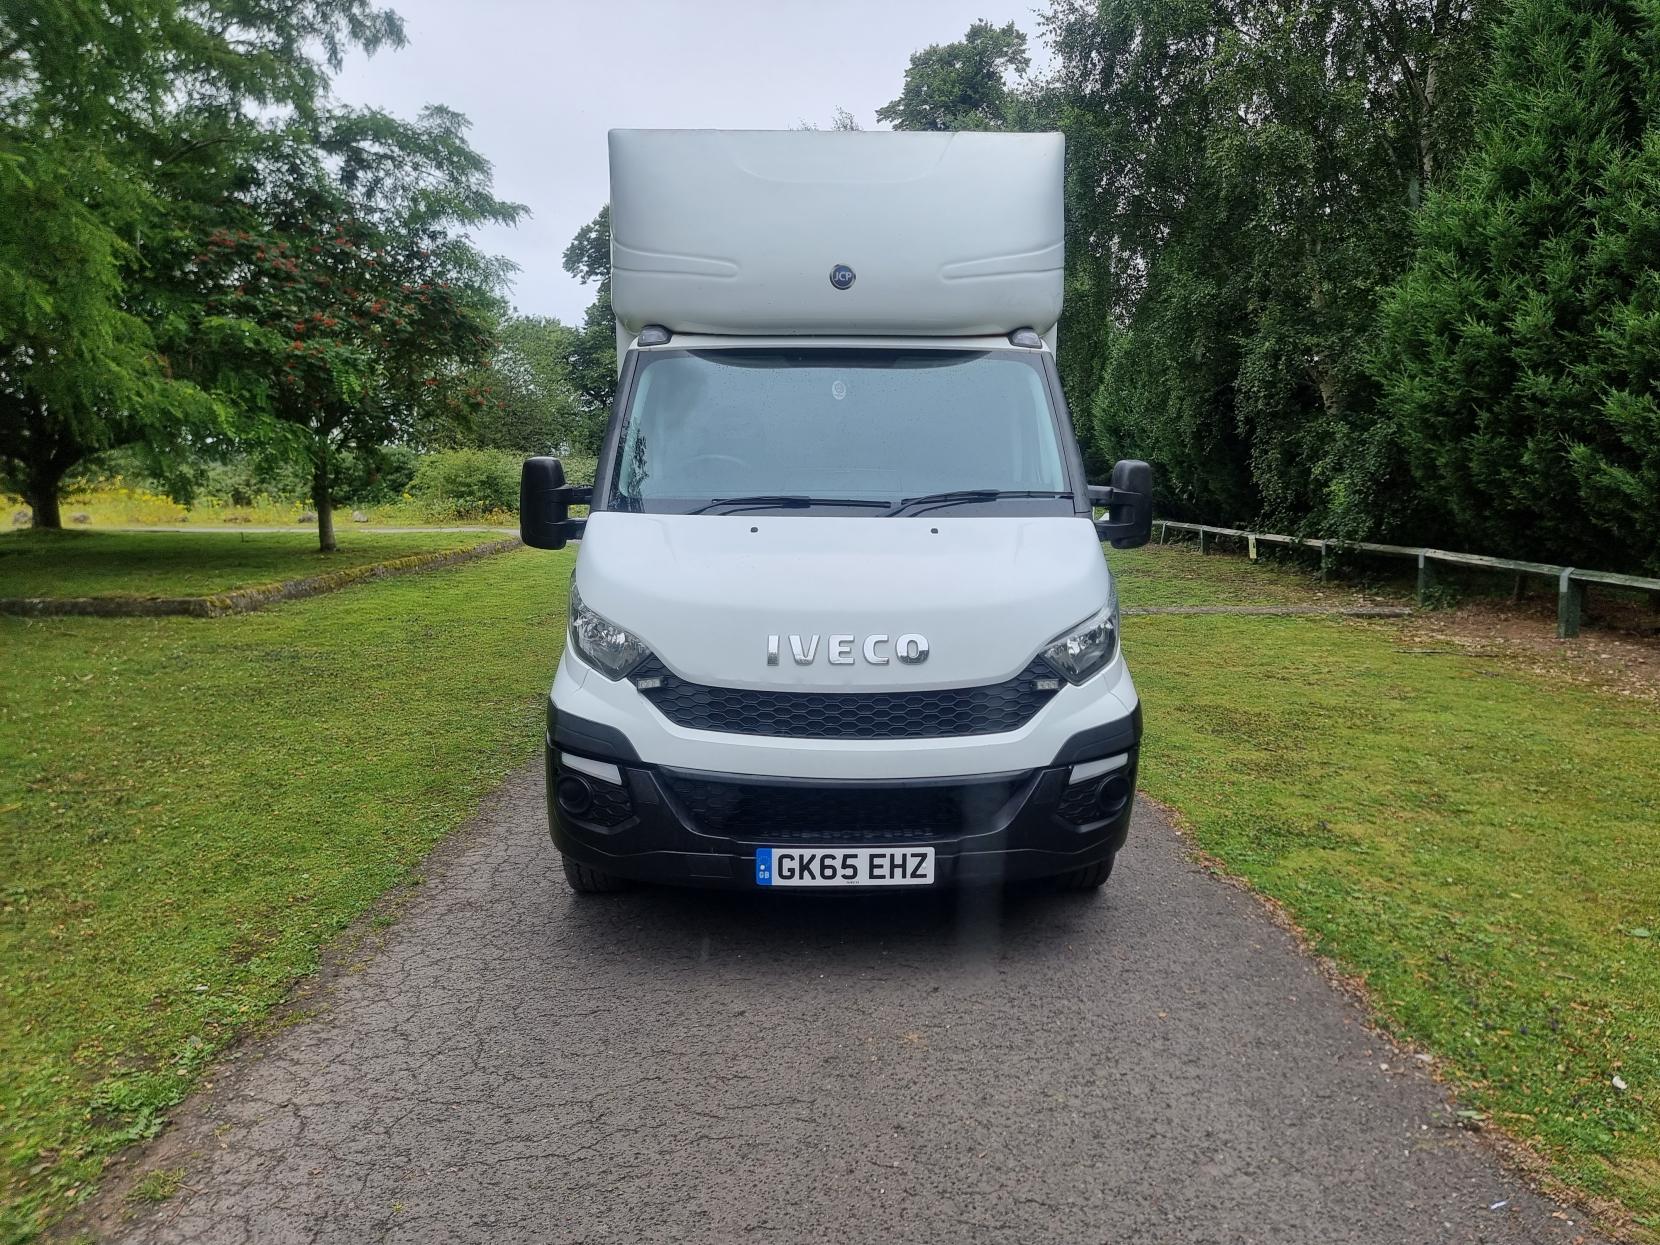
{"points": [[543, 82]]}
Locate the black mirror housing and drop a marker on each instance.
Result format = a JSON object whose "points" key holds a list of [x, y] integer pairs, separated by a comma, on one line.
{"points": [[1129, 504], [545, 502]]}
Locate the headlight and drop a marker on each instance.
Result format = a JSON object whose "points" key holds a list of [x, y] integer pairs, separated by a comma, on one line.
{"points": [[603, 645], [1082, 651]]}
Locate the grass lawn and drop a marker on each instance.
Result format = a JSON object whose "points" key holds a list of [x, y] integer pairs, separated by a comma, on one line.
{"points": [[1178, 574], [1480, 844], [189, 808], [184, 564]]}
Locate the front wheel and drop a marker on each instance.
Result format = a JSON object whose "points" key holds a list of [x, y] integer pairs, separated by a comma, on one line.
{"points": [[1089, 878], [586, 881]]}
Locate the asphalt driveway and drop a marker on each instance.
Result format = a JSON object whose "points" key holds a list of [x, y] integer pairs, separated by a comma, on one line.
{"points": [[1155, 1063]]}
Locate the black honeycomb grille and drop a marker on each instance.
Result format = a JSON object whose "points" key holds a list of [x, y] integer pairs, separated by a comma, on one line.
{"points": [[1079, 805], [986, 710], [611, 806], [830, 814], [1095, 799]]}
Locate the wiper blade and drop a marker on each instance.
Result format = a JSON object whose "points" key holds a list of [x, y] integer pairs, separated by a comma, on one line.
{"points": [[929, 501], [785, 501]]}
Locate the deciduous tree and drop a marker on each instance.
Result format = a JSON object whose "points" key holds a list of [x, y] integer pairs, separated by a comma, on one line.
{"points": [[1241, 180], [961, 85], [593, 360], [100, 101], [342, 307], [532, 407]]}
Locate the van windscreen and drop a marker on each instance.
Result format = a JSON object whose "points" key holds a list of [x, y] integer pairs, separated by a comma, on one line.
{"points": [[820, 430]]}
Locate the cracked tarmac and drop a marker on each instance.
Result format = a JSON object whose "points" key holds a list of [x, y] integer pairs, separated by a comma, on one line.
{"points": [[1157, 1062]]}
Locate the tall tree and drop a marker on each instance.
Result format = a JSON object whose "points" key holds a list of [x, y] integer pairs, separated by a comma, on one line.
{"points": [[98, 100], [1154, 287], [343, 305], [532, 407], [77, 371], [1241, 179], [961, 85], [1521, 353], [593, 359]]}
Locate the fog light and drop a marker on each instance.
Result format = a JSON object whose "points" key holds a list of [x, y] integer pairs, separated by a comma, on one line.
{"points": [[1113, 795], [574, 794]]}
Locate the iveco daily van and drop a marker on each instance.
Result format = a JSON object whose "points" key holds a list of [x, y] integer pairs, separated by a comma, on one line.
{"points": [[840, 615]]}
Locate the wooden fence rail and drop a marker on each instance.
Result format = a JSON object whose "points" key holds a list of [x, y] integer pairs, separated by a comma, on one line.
{"points": [[1570, 580]]}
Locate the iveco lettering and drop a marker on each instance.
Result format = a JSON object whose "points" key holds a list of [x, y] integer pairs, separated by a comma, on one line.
{"points": [[910, 648], [840, 615]]}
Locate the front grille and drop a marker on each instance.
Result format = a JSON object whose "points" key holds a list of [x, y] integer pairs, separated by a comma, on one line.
{"points": [[986, 710], [842, 814]]}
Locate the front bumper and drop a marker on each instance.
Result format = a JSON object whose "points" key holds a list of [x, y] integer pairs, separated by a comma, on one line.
{"points": [[664, 824]]}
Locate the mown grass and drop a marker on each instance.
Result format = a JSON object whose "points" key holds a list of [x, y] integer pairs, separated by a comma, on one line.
{"points": [[185, 564], [1178, 574], [1479, 843], [189, 809]]}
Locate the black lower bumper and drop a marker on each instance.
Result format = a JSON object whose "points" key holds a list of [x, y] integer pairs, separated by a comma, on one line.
{"points": [[661, 824]]}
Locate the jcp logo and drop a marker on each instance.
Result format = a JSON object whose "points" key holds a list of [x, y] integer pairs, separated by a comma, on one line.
{"points": [[844, 650]]}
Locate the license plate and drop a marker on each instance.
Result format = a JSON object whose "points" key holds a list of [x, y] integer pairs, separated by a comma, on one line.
{"points": [[844, 866]]}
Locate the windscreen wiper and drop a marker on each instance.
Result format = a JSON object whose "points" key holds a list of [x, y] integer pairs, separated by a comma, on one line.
{"points": [[928, 501], [784, 501]]}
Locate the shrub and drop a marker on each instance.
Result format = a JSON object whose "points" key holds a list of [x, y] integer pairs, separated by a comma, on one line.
{"points": [[242, 480], [374, 477], [470, 482]]}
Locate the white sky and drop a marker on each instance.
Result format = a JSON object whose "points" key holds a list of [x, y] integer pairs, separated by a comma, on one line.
{"points": [[543, 82]]}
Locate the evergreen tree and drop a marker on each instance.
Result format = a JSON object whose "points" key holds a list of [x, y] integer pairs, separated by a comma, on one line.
{"points": [[1520, 356]]}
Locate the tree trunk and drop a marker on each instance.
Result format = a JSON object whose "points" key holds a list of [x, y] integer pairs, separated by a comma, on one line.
{"points": [[1426, 147], [41, 492], [1319, 372], [324, 504], [37, 451]]}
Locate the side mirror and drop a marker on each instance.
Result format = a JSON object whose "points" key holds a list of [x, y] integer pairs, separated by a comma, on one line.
{"points": [[1129, 504], [545, 502]]}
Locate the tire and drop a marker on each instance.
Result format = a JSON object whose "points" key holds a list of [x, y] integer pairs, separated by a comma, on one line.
{"points": [[586, 881], [1089, 878]]}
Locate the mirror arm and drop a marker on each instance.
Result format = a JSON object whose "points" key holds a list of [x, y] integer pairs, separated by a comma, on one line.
{"points": [[577, 495], [1129, 511], [1107, 496]]}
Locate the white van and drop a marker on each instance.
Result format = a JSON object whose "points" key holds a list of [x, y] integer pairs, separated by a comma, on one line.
{"points": [[840, 616]]}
